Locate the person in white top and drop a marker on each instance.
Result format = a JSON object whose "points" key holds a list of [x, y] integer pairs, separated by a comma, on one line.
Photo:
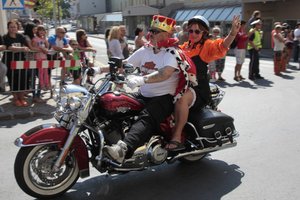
{"points": [[157, 87], [296, 43], [114, 44], [278, 48]]}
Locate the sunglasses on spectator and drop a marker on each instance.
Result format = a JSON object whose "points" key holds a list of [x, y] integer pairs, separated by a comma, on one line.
{"points": [[196, 31], [74, 44], [155, 31]]}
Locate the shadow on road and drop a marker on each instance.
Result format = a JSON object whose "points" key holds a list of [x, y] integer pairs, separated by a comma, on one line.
{"points": [[206, 179], [256, 84]]}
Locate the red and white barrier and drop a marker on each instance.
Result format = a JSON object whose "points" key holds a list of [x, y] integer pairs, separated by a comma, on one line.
{"points": [[44, 64]]}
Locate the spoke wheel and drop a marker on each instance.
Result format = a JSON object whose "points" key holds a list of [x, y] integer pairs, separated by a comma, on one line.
{"points": [[33, 171]]}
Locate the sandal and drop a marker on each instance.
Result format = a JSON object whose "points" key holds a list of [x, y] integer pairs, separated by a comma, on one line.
{"points": [[241, 78], [18, 103], [221, 79], [177, 146], [236, 78], [24, 103]]}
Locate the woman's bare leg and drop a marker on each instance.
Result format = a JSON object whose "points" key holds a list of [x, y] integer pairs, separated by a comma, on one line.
{"points": [[181, 115]]}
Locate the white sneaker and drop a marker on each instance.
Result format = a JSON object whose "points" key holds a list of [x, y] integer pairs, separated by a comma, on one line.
{"points": [[117, 151]]}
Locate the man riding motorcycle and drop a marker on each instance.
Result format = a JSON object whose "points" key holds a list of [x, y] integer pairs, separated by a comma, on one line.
{"points": [[158, 85]]}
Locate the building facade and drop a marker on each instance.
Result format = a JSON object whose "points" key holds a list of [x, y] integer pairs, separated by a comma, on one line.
{"points": [[101, 14]]}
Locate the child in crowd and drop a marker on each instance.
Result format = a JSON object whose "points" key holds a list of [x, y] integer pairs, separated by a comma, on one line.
{"points": [[42, 44], [219, 63], [75, 71]]}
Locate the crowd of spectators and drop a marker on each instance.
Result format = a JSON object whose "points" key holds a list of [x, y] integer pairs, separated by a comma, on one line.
{"points": [[32, 44], [284, 40]]}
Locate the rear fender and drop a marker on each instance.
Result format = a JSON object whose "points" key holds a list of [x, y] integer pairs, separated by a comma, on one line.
{"points": [[55, 134]]}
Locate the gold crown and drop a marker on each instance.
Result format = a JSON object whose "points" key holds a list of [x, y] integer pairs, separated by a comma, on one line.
{"points": [[164, 23]]}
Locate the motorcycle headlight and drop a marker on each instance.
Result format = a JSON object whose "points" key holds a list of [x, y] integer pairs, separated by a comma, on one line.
{"points": [[64, 102], [75, 103]]}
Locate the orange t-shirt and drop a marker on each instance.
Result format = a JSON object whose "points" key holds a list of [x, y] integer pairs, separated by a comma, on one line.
{"points": [[211, 50]]}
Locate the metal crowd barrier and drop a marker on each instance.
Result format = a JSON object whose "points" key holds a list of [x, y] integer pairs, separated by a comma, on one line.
{"points": [[23, 69]]}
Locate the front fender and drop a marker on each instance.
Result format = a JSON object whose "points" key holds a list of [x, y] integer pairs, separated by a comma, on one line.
{"points": [[55, 134]]}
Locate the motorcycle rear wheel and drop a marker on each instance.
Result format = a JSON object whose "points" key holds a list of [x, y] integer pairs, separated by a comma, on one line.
{"points": [[34, 175], [192, 158]]}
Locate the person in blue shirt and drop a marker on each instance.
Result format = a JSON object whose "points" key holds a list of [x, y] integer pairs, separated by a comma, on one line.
{"points": [[59, 48]]}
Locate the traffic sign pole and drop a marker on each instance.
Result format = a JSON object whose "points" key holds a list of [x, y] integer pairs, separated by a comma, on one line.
{"points": [[3, 21]]}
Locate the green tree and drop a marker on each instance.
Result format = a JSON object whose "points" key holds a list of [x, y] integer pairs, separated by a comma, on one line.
{"points": [[45, 8]]}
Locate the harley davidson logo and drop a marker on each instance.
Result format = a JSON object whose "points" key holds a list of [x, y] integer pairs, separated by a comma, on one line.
{"points": [[149, 65]]}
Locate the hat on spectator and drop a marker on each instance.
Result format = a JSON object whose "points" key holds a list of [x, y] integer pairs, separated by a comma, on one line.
{"points": [[278, 26], [163, 23], [216, 29], [256, 22]]}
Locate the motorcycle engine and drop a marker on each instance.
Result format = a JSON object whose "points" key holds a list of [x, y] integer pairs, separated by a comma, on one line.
{"points": [[157, 154]]}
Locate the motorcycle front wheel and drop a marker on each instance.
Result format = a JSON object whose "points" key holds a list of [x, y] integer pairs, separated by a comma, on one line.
{"points": [[34, 175]]}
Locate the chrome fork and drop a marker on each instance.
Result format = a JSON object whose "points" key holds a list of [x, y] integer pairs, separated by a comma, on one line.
{"points": [[65, 150]]}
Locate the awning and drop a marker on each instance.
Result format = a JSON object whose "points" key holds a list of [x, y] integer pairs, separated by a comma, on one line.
{"points": [[110, 17], [140, 10], [211, 14]]}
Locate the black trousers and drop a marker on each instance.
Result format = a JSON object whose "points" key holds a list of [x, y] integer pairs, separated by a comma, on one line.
{"points": [[296, 51], [254, 62], [156, 110]]}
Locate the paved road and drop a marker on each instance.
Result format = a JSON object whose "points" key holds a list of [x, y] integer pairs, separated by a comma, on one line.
{"points": [[264, 165]]}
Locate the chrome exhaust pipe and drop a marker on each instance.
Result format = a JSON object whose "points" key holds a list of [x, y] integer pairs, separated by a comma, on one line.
{"points": [[204, 151]]}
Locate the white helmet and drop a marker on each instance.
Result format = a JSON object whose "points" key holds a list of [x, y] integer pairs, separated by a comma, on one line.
{"points": [[200, 20]]}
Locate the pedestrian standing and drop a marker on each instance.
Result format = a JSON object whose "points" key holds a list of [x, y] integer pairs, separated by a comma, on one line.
{"points": [[16, 43], [240, 51], [75, 71], [106, 42], [183, 35], [3, 68], [278, 48], [139, 40], [220, 63], [296, 42], [255, 16], [287, 52], [114, 42], [254, 46], [40, 42], [59, 47], [124, 42]]}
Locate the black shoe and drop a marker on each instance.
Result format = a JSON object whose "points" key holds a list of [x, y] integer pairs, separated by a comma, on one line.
{"points": [[259, 77], [251, 78]]}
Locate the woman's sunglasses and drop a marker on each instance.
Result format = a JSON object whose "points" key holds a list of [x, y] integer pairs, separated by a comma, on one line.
{"points": [[196, 31]]}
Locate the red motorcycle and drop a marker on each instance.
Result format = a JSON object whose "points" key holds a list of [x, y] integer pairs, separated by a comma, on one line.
{"points": [[53, 156]]}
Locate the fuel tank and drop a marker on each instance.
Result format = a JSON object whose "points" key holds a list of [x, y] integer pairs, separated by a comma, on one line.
{"points": [[119, 104]]}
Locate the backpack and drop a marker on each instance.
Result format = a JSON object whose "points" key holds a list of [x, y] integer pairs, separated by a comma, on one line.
{"points": [[233, 44]]}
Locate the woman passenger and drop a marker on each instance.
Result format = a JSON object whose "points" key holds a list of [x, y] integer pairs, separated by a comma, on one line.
{"points": [[202, 51]]}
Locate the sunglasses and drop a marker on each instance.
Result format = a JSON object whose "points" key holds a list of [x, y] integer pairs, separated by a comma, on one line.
{"points": [[74, 44], [155, 31], [195, 31]]}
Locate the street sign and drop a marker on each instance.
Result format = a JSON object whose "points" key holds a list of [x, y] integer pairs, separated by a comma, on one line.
{"points": [[12, 4]]}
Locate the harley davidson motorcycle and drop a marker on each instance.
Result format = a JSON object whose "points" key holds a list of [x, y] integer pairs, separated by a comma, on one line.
{"points": [[53, 156]]}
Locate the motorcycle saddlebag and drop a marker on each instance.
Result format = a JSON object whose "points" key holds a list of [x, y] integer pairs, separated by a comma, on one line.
{"points": [[212, 127]]}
